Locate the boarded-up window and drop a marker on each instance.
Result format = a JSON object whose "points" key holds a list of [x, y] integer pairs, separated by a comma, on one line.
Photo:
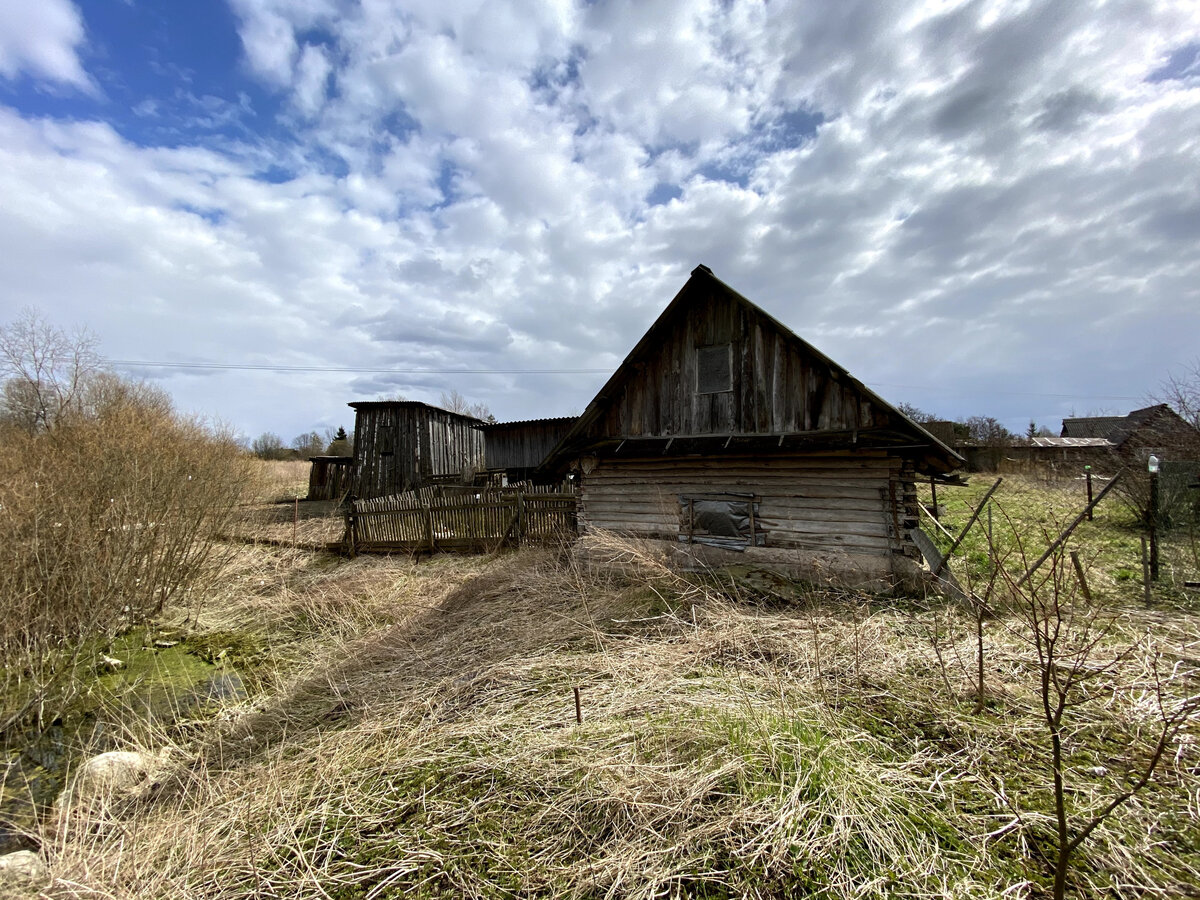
{"points": [[728, 521], [714, 369]]}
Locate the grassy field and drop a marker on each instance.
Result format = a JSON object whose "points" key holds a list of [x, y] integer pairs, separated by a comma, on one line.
{"points": [[411, 730]]}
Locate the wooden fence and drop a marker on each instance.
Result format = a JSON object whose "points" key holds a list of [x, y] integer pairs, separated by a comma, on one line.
{"points": [[460, 518]]}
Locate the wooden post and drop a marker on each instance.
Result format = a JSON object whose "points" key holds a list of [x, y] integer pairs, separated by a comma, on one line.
{"points": [[1146, 571], [578, 708], [1154, 526], [351, 525], [1067, 531], [429, 525], [1087, 472], [295, 519], [520, 517], [1083, 585], [933, 490], [971, 521]]}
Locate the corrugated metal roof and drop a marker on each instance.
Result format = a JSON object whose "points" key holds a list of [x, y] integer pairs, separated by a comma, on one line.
{"points": [[380, 404], [556, 420], [1091, 427], [1072, 442]]}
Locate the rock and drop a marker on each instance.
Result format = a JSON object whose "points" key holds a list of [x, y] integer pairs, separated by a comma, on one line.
{"points": [[101, 780], [165, 645], [110, 663], [24, 865]]}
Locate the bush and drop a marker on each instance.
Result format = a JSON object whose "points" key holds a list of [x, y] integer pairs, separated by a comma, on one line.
{"points": [[104, 519]]}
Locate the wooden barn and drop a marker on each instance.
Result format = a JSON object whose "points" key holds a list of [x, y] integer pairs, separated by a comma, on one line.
{"points": [[731, 437], [517, 449], [402, 445]]}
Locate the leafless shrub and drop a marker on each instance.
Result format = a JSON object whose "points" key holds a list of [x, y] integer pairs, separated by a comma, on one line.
{"points": [[104, 519], [1084, 657]]}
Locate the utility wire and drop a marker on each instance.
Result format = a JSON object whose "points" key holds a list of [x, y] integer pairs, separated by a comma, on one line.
{"points": [[370, 370], [268, 367]]}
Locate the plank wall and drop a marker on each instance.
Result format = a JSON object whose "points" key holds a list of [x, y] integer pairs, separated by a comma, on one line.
{"points": [[837, 502], [399, 447], [778, 385], [523, 445]]}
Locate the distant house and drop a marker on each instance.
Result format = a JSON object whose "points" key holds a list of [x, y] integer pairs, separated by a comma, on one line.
{"points": [[725, 433], [403, 445], [1157, 430]]}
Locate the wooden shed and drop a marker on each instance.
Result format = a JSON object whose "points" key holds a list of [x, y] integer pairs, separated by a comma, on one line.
{"points": [[330, 477], [402, 445], [734, 439], [517, 448]]}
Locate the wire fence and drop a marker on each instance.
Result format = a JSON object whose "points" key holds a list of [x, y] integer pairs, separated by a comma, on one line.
{"points": [[1125, 536]]}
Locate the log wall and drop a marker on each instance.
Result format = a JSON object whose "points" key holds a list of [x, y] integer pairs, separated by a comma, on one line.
{"points": [[843, 503]]}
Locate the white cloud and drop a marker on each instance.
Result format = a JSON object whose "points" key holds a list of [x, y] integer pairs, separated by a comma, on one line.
{"points": [[42, 39], [996, 196]]}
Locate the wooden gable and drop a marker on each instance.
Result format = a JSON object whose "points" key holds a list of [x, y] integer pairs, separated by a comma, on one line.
{"points": [[716, 367], [715, 364]]}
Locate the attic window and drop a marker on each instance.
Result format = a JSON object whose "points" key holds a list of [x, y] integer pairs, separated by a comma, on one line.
{"points": [[714, 369]]}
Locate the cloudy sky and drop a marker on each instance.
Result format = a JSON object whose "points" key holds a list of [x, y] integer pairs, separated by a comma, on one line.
{"points": [[979, 208]]}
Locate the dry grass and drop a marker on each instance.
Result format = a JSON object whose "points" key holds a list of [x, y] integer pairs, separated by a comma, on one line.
{"points": [[418, 737]]}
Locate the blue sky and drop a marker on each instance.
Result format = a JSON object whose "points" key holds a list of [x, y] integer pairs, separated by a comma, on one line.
{"points": [[979, 208]]}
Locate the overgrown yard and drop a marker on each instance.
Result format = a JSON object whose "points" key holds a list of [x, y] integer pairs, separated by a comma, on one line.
{"points": [[411, 729]]}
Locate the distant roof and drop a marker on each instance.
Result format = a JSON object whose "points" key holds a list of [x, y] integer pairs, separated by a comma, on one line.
{"points": [[1091, 427], [1072, 442], [383, 404], [1118, 429], [557, 420]]}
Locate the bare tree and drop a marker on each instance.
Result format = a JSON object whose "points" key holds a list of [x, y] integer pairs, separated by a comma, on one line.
{"points": [[457, 403], [46, 371], [269, 445], [308, 444], [1182, 393], [1080, 661], [988, 431], [917, 414]]}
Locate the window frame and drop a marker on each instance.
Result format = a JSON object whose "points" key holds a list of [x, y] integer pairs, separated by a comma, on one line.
{"points": [[728, 348]]}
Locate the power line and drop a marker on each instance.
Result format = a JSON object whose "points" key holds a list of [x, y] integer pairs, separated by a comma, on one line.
{"points": [[371, 370], [365, 370]]}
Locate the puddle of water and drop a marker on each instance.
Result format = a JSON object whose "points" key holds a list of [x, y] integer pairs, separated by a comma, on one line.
{"points": [[157, 688]]}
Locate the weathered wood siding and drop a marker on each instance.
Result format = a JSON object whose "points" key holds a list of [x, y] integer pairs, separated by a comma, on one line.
{"points": [[853, 503], [777, 385], [399, 446], [523, 445], [330, 477]]}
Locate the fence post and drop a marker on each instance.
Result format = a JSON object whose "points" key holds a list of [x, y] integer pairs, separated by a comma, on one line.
{"points": [[351, 525], [429, 524], [520, 517]]}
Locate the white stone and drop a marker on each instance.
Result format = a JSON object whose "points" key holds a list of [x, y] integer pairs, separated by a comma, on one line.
{"points": [[24, 865]]}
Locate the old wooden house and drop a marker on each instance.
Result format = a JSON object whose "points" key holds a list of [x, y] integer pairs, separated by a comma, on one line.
{"points": [[726, 434], [402, 445], [515, 450]]}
